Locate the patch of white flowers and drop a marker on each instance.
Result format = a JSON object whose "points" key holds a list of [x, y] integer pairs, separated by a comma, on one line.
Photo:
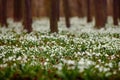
{"points": [[80, 46]]}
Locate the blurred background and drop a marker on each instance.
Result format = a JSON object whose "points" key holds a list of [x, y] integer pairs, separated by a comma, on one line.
{"points": [[78, 8], [27, 11]]}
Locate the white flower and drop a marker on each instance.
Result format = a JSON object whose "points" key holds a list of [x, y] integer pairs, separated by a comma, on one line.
{"points": [[58, 66], [110, 65], [32, 56], [45, 63], [101, 69], [98, 54], [16, 49], [70, 62], [19, 58], [3, 65], [114, 72], [106, 69], [119, 64], [108, 74], [14, 64], [10, 58], [47, 59]]}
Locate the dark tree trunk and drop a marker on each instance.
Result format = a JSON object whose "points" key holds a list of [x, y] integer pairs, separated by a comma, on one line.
{"points": [[100, 13], [119, 9], [80, 8], [28, 16], [89, 11], [53, 16], [47, 4], [67, 12], [17, 10], [58, 9], [3, 13], [0, 12], [115, 11]]}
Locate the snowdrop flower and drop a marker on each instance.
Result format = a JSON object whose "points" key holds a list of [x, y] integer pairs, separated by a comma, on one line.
{"points": [[3, 65], [10, 58], [110, 65], [101, 68], [52, 55], [97, 66], [14, 64], [71, 67], [32, 56], [19, 58], [47, 59], [33, 63], [106, 69], [84, 63], [78, 53], [98, 54], [106, 55], [45, 63], [114, 72], [99, 60], [58, 66], [108, 74], [119, 64], [70, 62]]}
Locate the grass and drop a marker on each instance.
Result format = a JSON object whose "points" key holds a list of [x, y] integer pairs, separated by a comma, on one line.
{"points": [[86, 54]]}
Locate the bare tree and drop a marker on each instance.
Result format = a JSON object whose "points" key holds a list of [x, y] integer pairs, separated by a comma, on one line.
{"points": [[3, 12], [89, 11], [58, 9], [28, 16], [80, 8], [100, 13], [47, 7], [119, 9], [53, 16], [67, 12], [115, 11], [17, 10]]}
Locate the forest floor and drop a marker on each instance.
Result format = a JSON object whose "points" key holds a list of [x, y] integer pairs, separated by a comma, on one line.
{"points": [[77, 53]]}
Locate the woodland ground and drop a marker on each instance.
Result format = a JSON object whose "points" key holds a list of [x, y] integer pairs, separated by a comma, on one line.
{"points": [[78, 53]]}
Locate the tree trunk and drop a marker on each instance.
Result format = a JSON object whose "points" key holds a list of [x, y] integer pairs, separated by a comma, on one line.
{"points": [[89, 11], [80, 8], [115, 11], [100, 13], [17, 10], [58, 9], [47, 4], [67, 12], [3, 13], [28, 16], [53, 16], [119, 9]]}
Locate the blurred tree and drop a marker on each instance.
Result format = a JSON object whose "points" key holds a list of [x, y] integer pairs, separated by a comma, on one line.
{"points": [[80, 8], [18, 10], [100, 13], [110, 7], [54, 16], [3, 13], [67, 12], [116, 11], [58, 9], [119, 9], [47, 7], [27, 16], [89, 11]]}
